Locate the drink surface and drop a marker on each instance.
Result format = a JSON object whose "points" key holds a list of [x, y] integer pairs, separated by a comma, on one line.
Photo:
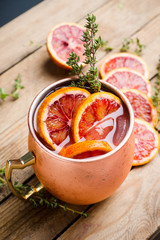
{"points": [[112, 128]]}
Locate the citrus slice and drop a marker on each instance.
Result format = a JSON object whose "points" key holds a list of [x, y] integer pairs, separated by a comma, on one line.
{"points": [[142, 105], [62, 40], [128, 78], [55, 114], [96, 119], [86, 149], [147, 142], [128, 60]]}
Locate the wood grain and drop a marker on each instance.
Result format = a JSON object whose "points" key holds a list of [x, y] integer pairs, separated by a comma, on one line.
{"points": [[132, 212], [38, 71], [28, 32], [20, 220]]}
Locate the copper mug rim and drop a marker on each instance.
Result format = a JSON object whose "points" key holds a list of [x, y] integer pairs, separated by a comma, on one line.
{"points": [[42, 94]]}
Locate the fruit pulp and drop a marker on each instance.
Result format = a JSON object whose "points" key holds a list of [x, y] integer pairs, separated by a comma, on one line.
{"points": [[114, 126], [127, 62]]}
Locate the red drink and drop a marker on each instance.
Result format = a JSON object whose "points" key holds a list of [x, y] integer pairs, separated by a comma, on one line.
{"points": [[111, 127]]}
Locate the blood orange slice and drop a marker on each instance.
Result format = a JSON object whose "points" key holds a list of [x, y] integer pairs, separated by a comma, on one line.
{"points": [[62, 40], [96, 118], [86, 149], [55, 114], [147, 142], [127, 60], [128, 78], [142, 105]]}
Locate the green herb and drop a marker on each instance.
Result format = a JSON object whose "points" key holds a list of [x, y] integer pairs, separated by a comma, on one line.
{"points": [[156, 97], [121, 6], [42, 198], [104, 44], [2, 180], [3, 95], [15, 92], [17, 87], [126, 45], [139, 48], [22, 188], [31, 43], [91, 45]]}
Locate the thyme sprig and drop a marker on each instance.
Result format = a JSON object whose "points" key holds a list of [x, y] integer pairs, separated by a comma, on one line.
{"points": [[139, 47], [15, 92], [2, 180], [91, 45], [43, 198], [126, 45], [39, 199], [17, 86], [104, 44], [3, 94], [156, 97]]}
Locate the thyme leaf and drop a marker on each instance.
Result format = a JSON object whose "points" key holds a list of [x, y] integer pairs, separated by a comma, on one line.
{"points": [[2, 180], [43, 198], [17, 87], [104, 44], [156, 96], [39, 199], [128, 42], [91, 45], [15, 92], [3, 94], [139, 48], [126, 45]]}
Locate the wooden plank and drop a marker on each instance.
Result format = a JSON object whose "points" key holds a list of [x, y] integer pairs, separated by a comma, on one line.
{"points": [[132, 212], [41, 73], [38, 68], [17, 147], [28, 32], [20, 220], [31, 224]]}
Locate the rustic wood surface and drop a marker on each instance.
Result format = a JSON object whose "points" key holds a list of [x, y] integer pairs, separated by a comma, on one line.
{"points": [[133, 212]]}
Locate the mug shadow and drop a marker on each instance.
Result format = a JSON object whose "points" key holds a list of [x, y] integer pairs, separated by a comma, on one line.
{"points": [[55, 71]]}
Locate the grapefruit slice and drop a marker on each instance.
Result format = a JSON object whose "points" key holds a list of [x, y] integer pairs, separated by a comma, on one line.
{"points": [[147, 142], [142, 105], [62, 40], [55, 114], [119, 60], [128, 78], [86, 149], [96, 118]]}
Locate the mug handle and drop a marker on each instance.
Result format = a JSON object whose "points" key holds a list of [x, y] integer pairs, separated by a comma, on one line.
{"points": [[27, 160]]}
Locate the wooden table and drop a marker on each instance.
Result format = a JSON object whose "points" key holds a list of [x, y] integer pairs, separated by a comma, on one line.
{"points": [[133, 211]]}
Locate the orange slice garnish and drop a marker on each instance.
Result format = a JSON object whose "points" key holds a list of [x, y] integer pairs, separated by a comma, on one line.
{"points": [[95, 118], [86, 149], [120, 60], [147, 142], [62, 40], [128, 78], [142, 105], [55, 114]]}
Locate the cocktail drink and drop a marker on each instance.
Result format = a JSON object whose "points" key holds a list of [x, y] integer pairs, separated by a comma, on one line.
{"points": [[81, 144], [89, 176], [71, 115]]}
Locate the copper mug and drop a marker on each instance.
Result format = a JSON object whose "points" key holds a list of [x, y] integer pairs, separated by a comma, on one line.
{"points": [[76, 181]]}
